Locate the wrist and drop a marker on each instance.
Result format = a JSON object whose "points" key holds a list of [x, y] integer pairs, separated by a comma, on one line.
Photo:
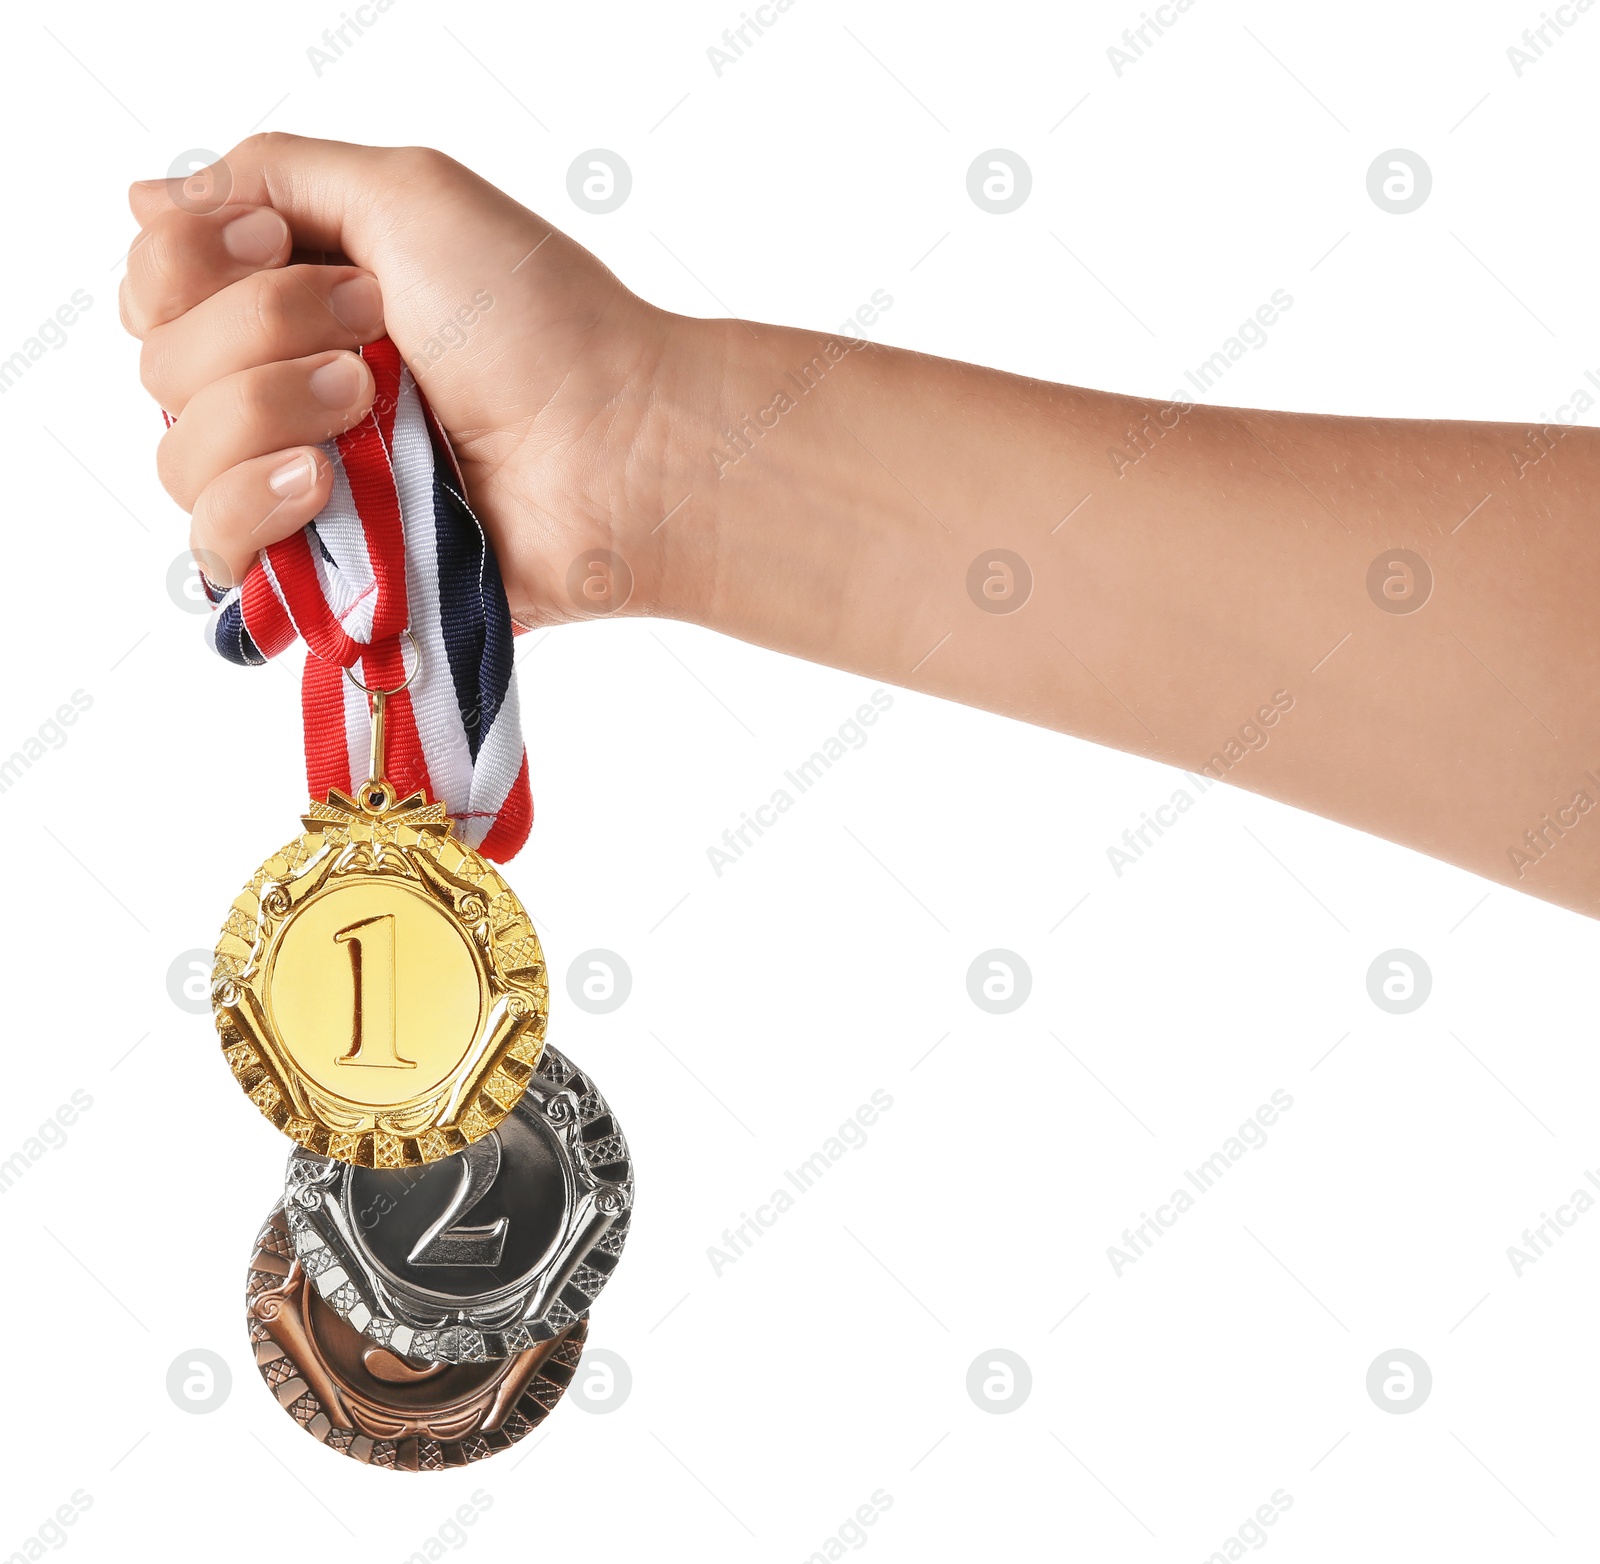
{"points": [[673, 513], [756, 497], [596, 497]]}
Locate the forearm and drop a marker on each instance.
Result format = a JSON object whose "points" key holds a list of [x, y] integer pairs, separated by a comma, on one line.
{"points": [[1215, 567], [1191, 584]]}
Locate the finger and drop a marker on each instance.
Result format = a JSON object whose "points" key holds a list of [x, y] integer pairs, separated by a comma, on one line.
{"points": [[183, 257], [257, 411], [254, 504], [332, 192], [262, 319]]}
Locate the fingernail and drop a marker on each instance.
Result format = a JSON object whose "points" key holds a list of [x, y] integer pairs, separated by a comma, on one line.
{"points": [[256, 237], [339, 382], [214, 572], [294, 478], [358, 303]]}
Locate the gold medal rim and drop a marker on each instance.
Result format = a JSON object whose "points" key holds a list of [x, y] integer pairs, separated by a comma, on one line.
{"points": [[490, 916]]}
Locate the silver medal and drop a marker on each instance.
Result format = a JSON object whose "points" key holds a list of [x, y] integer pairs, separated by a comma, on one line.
{"points": [[484, 1253]]}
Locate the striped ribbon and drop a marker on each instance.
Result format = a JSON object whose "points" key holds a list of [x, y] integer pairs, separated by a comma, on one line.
{"points": [[396, 548]]}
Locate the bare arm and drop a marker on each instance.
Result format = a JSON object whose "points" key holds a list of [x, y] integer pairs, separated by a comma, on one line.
{"points": [[1386, 622], [1391, 623]]}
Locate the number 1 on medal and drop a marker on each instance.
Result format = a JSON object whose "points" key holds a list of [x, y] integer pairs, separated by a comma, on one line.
{"points": [[372, 1012]]}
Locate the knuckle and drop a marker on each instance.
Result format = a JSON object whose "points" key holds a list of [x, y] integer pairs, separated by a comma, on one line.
{"points": [[216, 535], [206, 521], [268, 315], [422, 165], [254, 405], [154, 374], [155, 277], [172, 468], [266, 146]]}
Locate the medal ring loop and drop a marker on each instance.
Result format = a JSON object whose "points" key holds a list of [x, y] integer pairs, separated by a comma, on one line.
{"points": [[405, 684]]}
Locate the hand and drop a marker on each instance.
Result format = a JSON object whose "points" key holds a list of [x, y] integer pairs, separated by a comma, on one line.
{"points": [[548, 373], [843, 502]]}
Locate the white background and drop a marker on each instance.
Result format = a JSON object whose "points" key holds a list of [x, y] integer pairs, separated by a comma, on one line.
{"points": [[767, 1004]]}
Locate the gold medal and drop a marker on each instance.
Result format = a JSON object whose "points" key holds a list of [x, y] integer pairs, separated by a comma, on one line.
{"points": [[379, 989]]}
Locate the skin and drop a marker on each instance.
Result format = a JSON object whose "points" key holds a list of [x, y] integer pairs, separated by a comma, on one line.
{"points": [[1190, 569]]}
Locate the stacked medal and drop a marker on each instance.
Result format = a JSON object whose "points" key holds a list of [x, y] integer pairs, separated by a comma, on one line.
{"points": [[459, 1191]]}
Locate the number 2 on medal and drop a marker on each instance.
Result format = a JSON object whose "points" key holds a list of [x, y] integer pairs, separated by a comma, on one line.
{"points": [[372, 1040], [445, 1243]]}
